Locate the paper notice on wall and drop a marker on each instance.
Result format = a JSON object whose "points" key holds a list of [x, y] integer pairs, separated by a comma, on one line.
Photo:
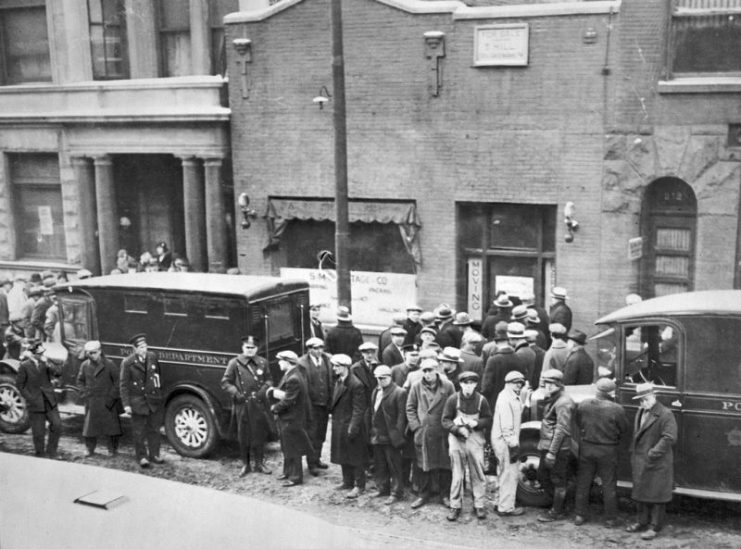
{"points": [[46, 225], [376, 297], [520, 286]]}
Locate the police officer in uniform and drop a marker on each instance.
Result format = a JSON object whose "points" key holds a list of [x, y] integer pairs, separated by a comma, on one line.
{"points": [[247, 379]]}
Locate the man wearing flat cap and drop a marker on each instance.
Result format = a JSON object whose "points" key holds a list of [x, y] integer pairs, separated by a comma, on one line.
{"points": [[247, 379], [555, 443], [579, 366], [388, 424], [505, 440], [99, 386], [141, 394], [467, 417], [652, 461], [601, 423], [412, 323], [34, 381], [384, 338], [560, 313], [344, 338], [400, 372], [315, 326], [320, 381], [363, 370], [293, 409], [350, 436], [555, 356], [392, 354]]}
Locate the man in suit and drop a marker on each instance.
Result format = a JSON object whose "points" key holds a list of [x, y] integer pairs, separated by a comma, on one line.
{"points": [[315, 326], [412, 324], [560, 313], [349, 429], [344, 338], [34, 382], [579, 366], [448, 334], [293, 410], [652, 461], [317, 370], [392, 354], [247, 379], [141, 394]]}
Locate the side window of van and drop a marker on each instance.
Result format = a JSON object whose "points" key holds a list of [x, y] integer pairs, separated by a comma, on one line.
{"points": [[175, 306], [136, 303], [650, 354], [77, 319], [713, 355]]}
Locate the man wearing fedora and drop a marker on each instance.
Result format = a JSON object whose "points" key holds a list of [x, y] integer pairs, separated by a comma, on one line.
{"points": [[523, 352], [141, 394], [465, 323], [392, 354], [579, 366], [601, 423], [503, 361], [448, 334], [500, 311], [652, 461], [320, 381], [344, 338], [452, 365], [560, 312], [412, 323]]}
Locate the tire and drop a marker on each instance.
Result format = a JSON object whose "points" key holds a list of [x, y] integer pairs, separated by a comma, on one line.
{"points": [[529, 491], [16, 419], [190, 427]]}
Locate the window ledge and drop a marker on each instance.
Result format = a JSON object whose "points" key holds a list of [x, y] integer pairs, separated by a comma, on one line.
{"points": [[701, 84]]}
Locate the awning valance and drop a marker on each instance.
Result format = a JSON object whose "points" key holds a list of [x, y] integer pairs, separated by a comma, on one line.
{"points": [[403, 213]]}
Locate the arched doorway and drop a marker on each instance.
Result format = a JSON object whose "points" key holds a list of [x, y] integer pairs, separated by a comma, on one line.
{"points": [[669, 224]]}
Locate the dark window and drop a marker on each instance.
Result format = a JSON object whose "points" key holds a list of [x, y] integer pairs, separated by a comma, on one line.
{"points": [[280, 321], [24, 40], [218, 9], [108, 46], [136, 304], [215, 310], [651, 353], [175, 306], [714, 351], [704, 39], [37, 204], [174, 21]]}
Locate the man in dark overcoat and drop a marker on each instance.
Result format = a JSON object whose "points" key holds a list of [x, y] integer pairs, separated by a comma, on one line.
{"points": [[141, 394], [98, 382], [349, 428], [499, 364], [579, 366], [362, 370], [412, 323], [388, 423], [425, 405], [560, 313], [317, 369], [315, 326], [652, 461], [34, 381], [500, 311], [293, 410], [448, 334], [392, 353], [246, 379], [344, 338], [15, 336]]}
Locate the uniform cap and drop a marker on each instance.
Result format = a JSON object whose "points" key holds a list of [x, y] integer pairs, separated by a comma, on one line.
{"points": [[314, 342], [410, 348], [288, 356], [382, 370], [137, 339], [341, 360], [514, 377]]}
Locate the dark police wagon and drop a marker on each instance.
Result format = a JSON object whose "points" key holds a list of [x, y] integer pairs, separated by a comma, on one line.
{"points": [[194, 323]]}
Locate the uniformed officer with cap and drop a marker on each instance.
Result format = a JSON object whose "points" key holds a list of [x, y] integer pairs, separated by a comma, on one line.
{"points": [[505, 440], [141, 394], [247, 379], [555, 442]]}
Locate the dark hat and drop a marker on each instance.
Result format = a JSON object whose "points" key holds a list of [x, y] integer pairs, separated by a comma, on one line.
{"points": [[35, 292], [410, 348], [249, 340], [137, 339], [500, 331], [578, 336], [398, 331], [162, 244], [36, 346], [468, 376], [463, 319], [35, 278], [444, 313]]}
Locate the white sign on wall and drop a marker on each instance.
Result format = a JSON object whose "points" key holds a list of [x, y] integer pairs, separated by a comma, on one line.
{"points": [[635, 248], [46, 224], [501, 45], [376, 297], [520, 286], [475, 305]]}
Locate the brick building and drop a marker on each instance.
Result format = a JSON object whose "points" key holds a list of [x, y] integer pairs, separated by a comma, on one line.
{"points": [[469, 130]]}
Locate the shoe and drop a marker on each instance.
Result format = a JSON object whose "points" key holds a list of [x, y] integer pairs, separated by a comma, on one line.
{"points": [[143, 462], [453, 515], [550, 516], [419, 502], [611, 523], [391, 500], [355, 493], [380, 494], [480, 513], [342, 486], [445, 501], [289, 483], [579, 520], [322, 465], [516, 512], [244, 471], [89, 454], [636, 527], [260, 467], [282, 476], [156, 459], [314, 472], [649, 534]]}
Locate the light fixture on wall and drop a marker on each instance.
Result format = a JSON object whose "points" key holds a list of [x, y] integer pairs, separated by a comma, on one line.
{"points": [[572, 225], [247, 213], [322, 98]]}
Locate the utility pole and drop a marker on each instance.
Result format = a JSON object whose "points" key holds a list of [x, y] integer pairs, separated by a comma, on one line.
{"points": [[342, 225]]}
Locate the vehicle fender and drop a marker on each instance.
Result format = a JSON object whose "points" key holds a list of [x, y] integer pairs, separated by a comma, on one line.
{"points": [[9, 366], [530, 429], [213, 406]]}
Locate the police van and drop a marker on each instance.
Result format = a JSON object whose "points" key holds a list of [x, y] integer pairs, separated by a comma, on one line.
{"points": [[194, 323], [689, 346]]}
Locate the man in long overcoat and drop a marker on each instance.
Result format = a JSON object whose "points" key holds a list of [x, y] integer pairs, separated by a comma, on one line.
{"points": [[344, 338], [349, 428], [425, 405], [579, 366], [141, 394], [34, 383], [652, 461], [388, 423], [293, 410], [560, 313], [320, 380], [98, 382], [246, 379]]}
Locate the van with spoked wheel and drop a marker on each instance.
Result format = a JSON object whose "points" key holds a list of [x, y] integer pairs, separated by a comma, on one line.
{"points": [[194, 323]]}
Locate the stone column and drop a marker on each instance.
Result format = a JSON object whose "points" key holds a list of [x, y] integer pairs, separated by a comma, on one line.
{"points": [[90, 256], [195, 213], [200, 37], [105, 201], [215, 216]]}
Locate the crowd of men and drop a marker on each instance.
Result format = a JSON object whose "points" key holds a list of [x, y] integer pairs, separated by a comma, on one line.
{"points": [[420, 410]]}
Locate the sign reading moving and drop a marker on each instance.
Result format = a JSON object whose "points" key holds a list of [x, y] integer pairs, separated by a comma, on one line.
{"points": [[376, 297]]}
